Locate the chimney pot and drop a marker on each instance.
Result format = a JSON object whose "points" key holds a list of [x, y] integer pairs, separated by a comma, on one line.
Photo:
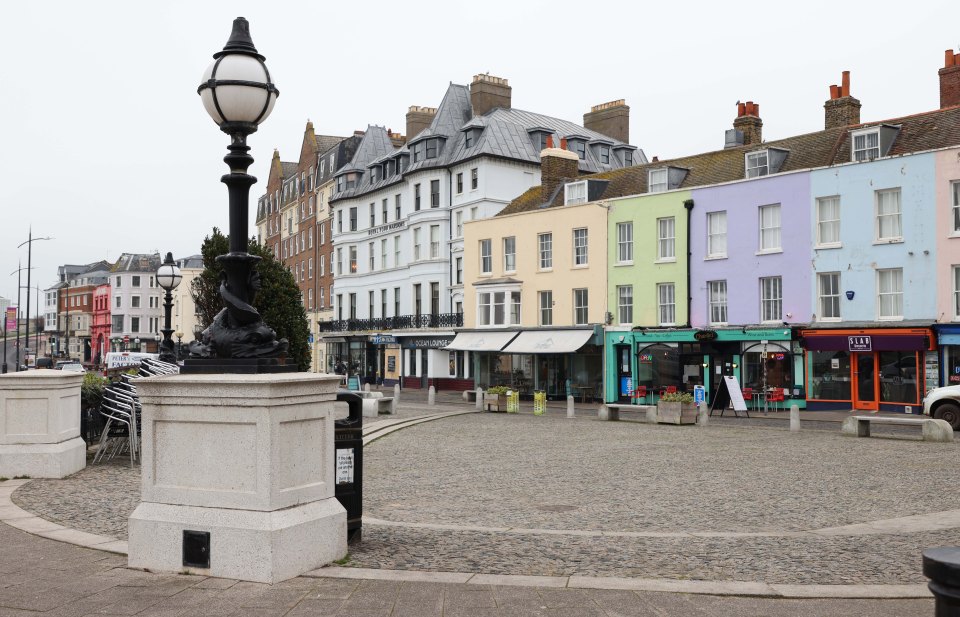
{"points": [[549, 141], [842, 109], [948, 58], [749, 123], [563, 143]]}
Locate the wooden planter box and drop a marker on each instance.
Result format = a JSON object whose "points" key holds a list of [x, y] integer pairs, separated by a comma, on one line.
{"points": [[676, 413], [495, 400]]}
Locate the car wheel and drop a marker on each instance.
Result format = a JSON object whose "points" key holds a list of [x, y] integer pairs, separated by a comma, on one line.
{"points": [[949, 412]]}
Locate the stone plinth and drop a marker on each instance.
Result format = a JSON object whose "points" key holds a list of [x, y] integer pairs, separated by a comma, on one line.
{"points": [[247, 458], [40, 424]]}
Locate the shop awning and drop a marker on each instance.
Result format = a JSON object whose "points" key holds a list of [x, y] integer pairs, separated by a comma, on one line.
{"points": [[480, 341], [549, 341]]}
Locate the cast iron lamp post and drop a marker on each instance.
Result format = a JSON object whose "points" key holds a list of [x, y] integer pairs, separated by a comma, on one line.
{"points": [[168, 277], [179, 335], [238, 94]]}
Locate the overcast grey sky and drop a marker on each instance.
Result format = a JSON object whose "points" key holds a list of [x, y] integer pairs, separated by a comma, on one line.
{"points": [[106, 146]]}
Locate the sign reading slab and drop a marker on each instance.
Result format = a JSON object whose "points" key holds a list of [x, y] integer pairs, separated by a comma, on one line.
{"points": [[859, 343]]}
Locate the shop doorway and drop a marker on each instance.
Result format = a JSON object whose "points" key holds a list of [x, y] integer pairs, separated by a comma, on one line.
{"points": [[865, 381], [624, 374]]}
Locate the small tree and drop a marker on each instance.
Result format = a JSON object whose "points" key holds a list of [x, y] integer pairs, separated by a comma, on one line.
{"points": [[278, 300]]}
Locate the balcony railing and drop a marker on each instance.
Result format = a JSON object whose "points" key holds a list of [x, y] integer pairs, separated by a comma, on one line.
{"points": [[400, 322]]}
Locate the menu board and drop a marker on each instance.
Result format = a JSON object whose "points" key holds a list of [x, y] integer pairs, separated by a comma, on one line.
{"points": [[736, 396], [932, 372]]}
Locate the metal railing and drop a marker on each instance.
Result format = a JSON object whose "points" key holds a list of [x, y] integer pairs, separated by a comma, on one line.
{"points": [[400, 322]]}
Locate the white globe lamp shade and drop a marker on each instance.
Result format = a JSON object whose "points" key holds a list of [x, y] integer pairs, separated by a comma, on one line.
{"points": [[236, 87], [168, 274]]}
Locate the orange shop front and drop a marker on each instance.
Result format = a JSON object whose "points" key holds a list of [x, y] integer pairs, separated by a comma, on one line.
{"points": [[869, 369]]}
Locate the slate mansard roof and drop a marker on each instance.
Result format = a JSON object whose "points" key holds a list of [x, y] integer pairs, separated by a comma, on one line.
{"points": [[500, 133], [917, 133]]}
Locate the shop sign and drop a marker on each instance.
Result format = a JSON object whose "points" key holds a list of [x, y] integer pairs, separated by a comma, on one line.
{"points": [[859, 343], [705, 335], [383, 339], [626, 386], [376, 231], [646, 358], [776, 355], [425, 343]]}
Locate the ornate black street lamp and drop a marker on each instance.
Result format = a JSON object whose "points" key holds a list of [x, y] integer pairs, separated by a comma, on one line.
{"points": [[168, 277], [238, 94]]}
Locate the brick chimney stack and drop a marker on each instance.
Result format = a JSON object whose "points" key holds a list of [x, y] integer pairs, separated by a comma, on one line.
{"points": [[488, 92], [950, 80], [842, 109], [611, 119], [419, 118], [556, 166], [748, 121]]}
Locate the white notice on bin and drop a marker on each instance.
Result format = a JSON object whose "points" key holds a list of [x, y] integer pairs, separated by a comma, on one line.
{"points": [[345, 466]]}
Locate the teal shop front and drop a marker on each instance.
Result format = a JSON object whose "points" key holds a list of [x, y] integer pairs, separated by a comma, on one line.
{"points": [[657, 360]]}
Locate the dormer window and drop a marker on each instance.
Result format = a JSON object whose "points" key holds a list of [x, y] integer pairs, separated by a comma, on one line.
{"points": [[577, 145], [427, 149], [757, 164], [471, 135], [539, 136], [347, 181], [605, 155], [866, 146], [374, 173], [657, 181], [872, 143], [665, 179], [575, 193]]}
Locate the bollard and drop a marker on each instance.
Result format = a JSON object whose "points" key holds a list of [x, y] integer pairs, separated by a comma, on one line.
{"points": [[539, 403], [794, 418], [652, 414], [479, 398], [431, 396], [942, 566], [396, 394], [702, 415], [366, 387], [570, 410]]}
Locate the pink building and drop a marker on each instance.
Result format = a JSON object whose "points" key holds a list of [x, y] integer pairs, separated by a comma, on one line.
{"points": [[100, 324]]}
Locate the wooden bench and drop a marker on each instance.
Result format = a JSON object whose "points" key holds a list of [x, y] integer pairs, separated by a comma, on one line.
{"points": [[932, 429], [611, 411]]}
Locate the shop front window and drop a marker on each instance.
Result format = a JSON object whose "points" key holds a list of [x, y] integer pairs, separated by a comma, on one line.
{"points": [[898, 377], [658, 367], [778, 364], [951, 361], [829, 373]]}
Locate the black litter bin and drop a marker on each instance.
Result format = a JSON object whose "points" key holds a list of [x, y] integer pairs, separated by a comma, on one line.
{"points": [[348, 462]]}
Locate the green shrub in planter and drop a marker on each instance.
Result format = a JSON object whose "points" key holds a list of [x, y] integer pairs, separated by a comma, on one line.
{"points": [[498, 390], [677, 397], [91, 391]]}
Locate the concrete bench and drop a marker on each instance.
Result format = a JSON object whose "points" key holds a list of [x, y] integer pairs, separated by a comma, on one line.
{"points": [[375, 403], [470, 396], [611, 411], [932, 429]]}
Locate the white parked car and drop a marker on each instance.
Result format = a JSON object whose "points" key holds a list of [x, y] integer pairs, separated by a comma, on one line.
{"points": [[943, 403], [73, 367]]}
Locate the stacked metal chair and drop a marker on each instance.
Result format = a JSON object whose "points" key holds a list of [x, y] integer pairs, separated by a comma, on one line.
{"points": [[121, 409]]}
